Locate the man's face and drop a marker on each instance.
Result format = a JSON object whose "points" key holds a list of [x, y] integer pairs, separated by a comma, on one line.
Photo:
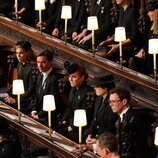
{"points": [[76, 79], [43, 64], [101, 151], [116, 104]]}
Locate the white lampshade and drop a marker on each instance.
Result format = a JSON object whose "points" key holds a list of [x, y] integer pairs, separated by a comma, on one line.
{"points": [[120, 34], [92, 23], [80, 118], [40, 5], [153, 46], [18, 87], [49, 103], [156, 136], [66, 12]]}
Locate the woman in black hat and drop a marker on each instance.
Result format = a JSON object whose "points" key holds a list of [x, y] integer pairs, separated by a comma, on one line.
{"points": [[104, 119], [77, 100]]}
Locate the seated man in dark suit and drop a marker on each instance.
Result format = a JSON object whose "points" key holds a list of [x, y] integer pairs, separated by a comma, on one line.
{"points": [[129, 127], [47, 83]]}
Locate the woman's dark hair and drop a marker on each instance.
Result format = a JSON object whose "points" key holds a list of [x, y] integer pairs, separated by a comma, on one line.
{"points": [[24, 44]]}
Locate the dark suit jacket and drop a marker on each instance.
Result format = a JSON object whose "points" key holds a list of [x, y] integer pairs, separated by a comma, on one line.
{"points": [[102, 11], [131, 136], [104, 119], [50, 87], [79, 17]]}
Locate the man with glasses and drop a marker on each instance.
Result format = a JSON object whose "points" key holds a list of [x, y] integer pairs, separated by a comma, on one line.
{"points": [[129, 128]]}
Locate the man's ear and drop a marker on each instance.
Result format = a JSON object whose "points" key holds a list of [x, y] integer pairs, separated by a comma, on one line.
{"points": [[124, 101]]}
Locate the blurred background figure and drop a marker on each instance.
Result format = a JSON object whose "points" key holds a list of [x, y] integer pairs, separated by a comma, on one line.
{"points": [[107, 146], [79, 17], [6, 7]]}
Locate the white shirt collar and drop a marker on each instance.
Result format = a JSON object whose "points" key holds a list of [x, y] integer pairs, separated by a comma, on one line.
{"points": [[45, 74], [123, 112]]}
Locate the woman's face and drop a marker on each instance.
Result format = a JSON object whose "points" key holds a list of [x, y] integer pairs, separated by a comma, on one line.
{"points": [[151, 15], [21, 54], [76, 79]]}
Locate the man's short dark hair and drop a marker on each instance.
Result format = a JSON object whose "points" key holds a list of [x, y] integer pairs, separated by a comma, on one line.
{"points": [[47, 53], [109, 141], [123, 93]]}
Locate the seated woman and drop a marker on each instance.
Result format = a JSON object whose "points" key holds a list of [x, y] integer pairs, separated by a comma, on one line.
{"points": [[25, 70], [104, 119], [142, 61], [77, 100]]}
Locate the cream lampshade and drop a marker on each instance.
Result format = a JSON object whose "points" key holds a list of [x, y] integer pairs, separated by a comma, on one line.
{"points": [[80, 120], [92, 23], [40, 5], [18, 87], [120, 34], [156, 136], [49, 105], [66, 12], [153, 49]]}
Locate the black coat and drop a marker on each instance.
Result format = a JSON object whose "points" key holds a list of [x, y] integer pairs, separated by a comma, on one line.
{"points": [[131, 136], [104, 119], [77, 100]]}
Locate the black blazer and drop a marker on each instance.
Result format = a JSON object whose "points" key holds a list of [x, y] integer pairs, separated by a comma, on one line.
{"points": [[104, 119], [102, 11], [130, 133], [50, 87]]}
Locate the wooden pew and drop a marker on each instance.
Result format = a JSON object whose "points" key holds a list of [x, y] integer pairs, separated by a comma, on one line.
{"points": [[37, 133]]}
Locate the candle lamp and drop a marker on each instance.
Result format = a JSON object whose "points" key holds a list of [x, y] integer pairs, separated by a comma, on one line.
{"points": [[153, 49], [80, 120], [49, 105], [92, 25], [156, 137], [120, 36], [66, 13], [18, 88], [16, 11], [40, 5]]}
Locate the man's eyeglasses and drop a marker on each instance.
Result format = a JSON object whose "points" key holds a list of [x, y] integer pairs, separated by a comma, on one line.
{"points": [[114, 101]]}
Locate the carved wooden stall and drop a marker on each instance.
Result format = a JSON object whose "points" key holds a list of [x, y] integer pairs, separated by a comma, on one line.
{"points": [[144, 89]]}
